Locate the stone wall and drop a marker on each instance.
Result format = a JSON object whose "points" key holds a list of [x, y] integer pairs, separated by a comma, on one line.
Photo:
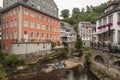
{"points": [[105, 69]]}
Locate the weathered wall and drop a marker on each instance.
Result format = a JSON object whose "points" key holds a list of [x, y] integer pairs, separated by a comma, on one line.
{"points": [[25, 48], [71, 45], [105, 70], [86, 43]]}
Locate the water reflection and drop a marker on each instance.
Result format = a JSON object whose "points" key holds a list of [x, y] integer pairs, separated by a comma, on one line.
{"points": [[77, 73]]}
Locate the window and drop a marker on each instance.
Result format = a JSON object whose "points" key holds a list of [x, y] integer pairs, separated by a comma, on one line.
{"points": [[38, 35], [32, 35], [32, 24], [26, 11], [42, 17], [110, 19], [105, 21], [6, 24], [43, 27], [11, 23], [50, 28], [38, 7], [15, 35], [38, 16], [42, 35], [4, 36], [25, 32], [47, 27], [118, 16], [100, 22], [25, 23], [15, 11], [3, 25], [15, 22], [7, 35], [38, 25], [32, 14], [47, 36]]}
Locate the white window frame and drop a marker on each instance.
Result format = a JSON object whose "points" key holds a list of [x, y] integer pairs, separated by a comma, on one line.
{"points": [[32, 24], [25, 23]]}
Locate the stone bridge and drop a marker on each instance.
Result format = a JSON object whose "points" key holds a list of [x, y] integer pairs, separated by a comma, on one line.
{"points": [[105, 63]]}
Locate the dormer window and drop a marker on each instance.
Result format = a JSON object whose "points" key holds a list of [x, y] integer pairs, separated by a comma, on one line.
{"points": [[32, 4]]}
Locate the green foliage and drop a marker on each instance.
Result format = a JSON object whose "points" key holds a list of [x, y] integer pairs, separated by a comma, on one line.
{"points": [[65, 13], [86, 54], [78, 16], [78, 44], [58, 43], [2, 55], [2, 75], [99, 9], [75, 11], [53, 44], [13, 61]]}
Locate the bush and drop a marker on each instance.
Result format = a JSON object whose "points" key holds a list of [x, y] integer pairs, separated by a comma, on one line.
{"points": [[2, 55], [53, 44], [13, 61], [86, 54], [78, 44], [2, 75]]}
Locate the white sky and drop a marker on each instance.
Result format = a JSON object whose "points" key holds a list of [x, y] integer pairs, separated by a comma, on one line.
{"points": [[70, 4]]}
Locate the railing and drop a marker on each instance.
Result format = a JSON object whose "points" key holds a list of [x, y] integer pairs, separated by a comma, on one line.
{"points": [[108, 46]]}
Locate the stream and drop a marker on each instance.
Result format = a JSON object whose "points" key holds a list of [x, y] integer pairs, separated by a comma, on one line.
{"points": [[57, 70]]}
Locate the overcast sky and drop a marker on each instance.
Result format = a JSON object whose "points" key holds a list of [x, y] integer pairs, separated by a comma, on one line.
{"points": [[70, 4]]}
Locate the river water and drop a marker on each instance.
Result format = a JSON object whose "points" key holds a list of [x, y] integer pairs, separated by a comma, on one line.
{"points": [[60, 72]]}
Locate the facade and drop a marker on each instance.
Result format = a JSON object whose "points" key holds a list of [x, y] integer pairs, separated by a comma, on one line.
{"points": [[67, 33], [108, 24], [85, 30], [23, 23]]}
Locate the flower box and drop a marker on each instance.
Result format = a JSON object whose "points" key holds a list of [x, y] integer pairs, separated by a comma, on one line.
{"points": [[109, 24], [118, 22]]}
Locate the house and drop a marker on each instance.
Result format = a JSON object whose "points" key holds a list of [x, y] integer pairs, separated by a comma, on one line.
{"points": [[67, 33], [85, 30], [29, 25], [108, 24]]}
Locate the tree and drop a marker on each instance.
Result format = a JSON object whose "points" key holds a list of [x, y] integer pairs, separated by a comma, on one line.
{"points": [[75, 11], [78, 44], [65, 13], [83, 9]]}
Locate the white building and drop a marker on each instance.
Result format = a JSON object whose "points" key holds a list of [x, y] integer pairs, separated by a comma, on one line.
{"points": [[67, 33], [108, 24], [85, 30]]}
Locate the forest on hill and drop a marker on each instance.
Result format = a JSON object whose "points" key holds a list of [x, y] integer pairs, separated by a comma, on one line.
{"points": [[91, 14]]}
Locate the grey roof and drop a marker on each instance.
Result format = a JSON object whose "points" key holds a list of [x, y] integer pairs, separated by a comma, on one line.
{"points": [[25, 5], [116, 8]]}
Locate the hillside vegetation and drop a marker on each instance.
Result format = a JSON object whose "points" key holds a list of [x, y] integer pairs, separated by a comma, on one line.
{"points": [[91, 14]]}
